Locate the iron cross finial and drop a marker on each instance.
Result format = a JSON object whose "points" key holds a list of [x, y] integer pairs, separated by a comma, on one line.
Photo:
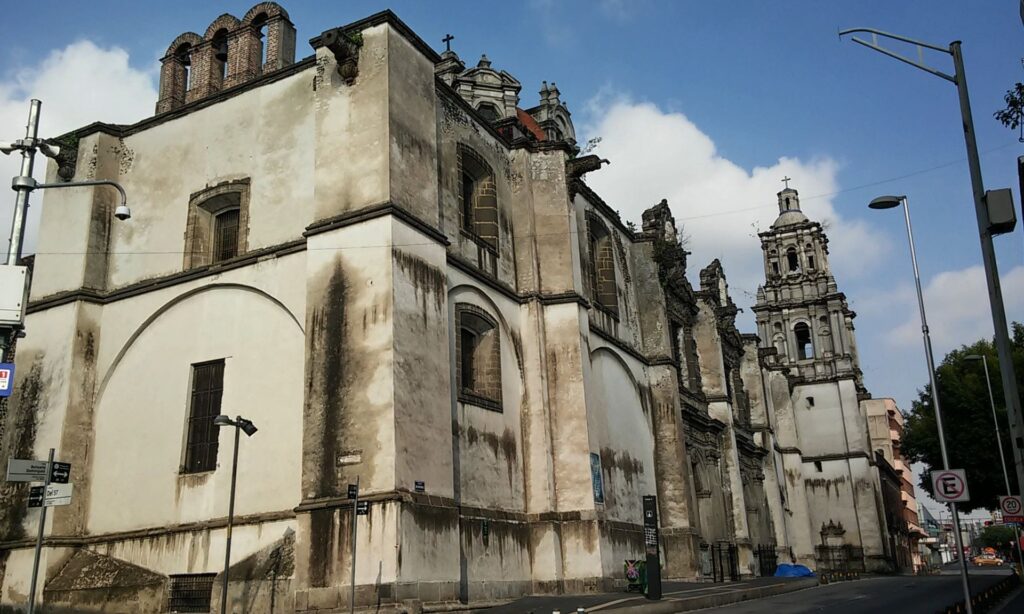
{"points": [[447, 40], [786, 181]]}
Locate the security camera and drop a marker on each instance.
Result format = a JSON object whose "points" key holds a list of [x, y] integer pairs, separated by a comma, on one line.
{"points": [[122, 212], [7, 148], [49, 150]]}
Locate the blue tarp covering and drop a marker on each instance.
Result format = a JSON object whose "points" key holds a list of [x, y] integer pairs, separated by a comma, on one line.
{"points": [[785, 570]]}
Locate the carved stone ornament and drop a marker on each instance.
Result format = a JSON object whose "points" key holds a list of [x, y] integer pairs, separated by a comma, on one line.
{"points": [[345, 48]]}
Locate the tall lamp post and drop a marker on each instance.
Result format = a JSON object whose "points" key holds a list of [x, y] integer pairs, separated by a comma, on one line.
{"points": [[240, 424], [985, 228], [890, 202], [24, 185], [999, 442]]}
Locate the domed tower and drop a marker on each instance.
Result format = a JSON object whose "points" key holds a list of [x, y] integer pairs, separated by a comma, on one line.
{"points": [[800, 310]]}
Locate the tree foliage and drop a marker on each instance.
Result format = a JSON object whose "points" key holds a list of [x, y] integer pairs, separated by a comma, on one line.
{"points": [[967, 421], [998, 536], [1013, 115]]}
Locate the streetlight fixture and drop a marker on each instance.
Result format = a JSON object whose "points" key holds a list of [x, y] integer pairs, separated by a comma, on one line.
{"points": [[246, 426], [890, 202], [999, 442], [986, 229], [24, 185]]}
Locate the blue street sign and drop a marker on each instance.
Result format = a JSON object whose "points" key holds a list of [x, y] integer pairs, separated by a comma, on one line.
{"points": [[6, 378]]}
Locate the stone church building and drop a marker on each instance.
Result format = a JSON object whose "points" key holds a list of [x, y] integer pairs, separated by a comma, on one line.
{"points": [[400, 275]]}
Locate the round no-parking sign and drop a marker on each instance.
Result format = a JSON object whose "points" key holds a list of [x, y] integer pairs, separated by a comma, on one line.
{"points": [[950, 485]]}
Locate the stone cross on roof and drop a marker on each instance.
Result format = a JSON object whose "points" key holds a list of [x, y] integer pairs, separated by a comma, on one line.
{"points": [[786, 181], [447, 40]]}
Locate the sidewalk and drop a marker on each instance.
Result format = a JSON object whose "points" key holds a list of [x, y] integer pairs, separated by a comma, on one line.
{"points": [[676, 597]]}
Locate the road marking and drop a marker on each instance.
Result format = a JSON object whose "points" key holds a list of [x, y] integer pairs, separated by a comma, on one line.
{"points": [[610, 604]]}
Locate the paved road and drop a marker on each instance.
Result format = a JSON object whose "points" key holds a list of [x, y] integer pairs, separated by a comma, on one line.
{"points": [[903, 594]]}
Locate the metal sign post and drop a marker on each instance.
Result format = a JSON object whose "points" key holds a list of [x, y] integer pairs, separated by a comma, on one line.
{"points": [[651, 546], [39, 540], [353, 493]]}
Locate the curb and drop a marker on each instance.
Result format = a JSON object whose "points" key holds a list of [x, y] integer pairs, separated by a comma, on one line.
{"points": [[700, 602]]}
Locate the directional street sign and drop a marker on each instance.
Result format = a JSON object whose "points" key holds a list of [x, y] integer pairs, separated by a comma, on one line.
{"points": [[1011, 509], [60, 473], [353, 491], [950, 485], [56, 494], [362, 508], [19, 470]]}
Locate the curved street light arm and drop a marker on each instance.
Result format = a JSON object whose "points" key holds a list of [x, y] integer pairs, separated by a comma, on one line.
{"points": [[80, 184], [918, 63]]}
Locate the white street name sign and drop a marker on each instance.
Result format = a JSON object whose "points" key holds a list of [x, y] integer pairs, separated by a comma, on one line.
{"points": [[19, 470], [56, 494]]}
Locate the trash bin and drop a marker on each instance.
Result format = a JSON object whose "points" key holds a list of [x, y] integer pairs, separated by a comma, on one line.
{"points": [[636, 575]]}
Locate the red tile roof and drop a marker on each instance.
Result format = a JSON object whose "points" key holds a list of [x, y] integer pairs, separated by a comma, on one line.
{"points": [[531, 124]]}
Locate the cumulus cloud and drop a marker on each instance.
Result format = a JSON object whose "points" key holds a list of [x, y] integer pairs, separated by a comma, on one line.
{"points": [[721, 206], [957, 308], [79, 84]]}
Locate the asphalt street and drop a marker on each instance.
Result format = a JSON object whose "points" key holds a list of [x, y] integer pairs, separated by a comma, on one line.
{"points": [[904, 594]]}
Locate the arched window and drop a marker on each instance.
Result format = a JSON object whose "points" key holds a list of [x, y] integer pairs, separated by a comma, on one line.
{"points": [[489, 111], [225, 235], [220, 53], [478, 197], [478, 353], [217, 221], [602, 265], [792, 260], [184, 56], [804, 347], [260, 25]]}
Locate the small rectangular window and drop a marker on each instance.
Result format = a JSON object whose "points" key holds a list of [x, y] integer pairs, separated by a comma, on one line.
{"points": [[225, 240], [207, 389], [190, 592]]}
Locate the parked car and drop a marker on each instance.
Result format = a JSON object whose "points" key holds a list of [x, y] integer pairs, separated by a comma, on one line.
{"points": [[985, 560]]}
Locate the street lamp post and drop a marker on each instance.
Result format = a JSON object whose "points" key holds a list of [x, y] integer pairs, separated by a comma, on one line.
{"points": [[999, 442], [988, 254], [24, 185], [240, 424], [889, 202]]}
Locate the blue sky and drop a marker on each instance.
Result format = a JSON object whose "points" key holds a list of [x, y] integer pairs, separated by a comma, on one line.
{"points": [[706, 103]]}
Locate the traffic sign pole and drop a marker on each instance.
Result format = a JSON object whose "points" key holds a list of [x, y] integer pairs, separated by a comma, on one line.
{"points": [[39, 539], [355, 523]]}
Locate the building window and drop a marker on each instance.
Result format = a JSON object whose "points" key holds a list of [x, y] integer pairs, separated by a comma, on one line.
{"points": [[207, 389], [488, 111], [804, 347], [602, 266], [190, 592], [478, 197], [220, 54], [478, 357], [225, 235], [217, 225], [792, 260]]}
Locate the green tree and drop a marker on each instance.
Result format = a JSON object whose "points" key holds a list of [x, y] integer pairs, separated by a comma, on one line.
{"points": [[967, 418], [998, 536], [1013, 115]]}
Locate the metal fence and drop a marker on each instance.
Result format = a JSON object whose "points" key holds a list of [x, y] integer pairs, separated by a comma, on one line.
{"points": [[190, 593], [719, 562], [767, 560], [840, 558]]}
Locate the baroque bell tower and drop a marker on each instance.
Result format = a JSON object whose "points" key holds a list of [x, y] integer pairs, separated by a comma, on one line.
{"points": [[800, 310]]}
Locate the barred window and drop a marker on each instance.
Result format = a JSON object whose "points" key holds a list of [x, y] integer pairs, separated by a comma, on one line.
{"points": [[225, 235], [602, 267], [478, 196], [207, 388], [478, 353], [190, 592]]}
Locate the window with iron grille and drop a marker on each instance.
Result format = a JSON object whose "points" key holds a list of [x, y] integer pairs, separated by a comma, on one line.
{"points": [[225, 235], [190, 592], [207, 388]]}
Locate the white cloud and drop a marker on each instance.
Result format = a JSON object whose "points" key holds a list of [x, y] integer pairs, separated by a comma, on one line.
{"points": [[79, 84], [957, 306], [721, 206]]}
